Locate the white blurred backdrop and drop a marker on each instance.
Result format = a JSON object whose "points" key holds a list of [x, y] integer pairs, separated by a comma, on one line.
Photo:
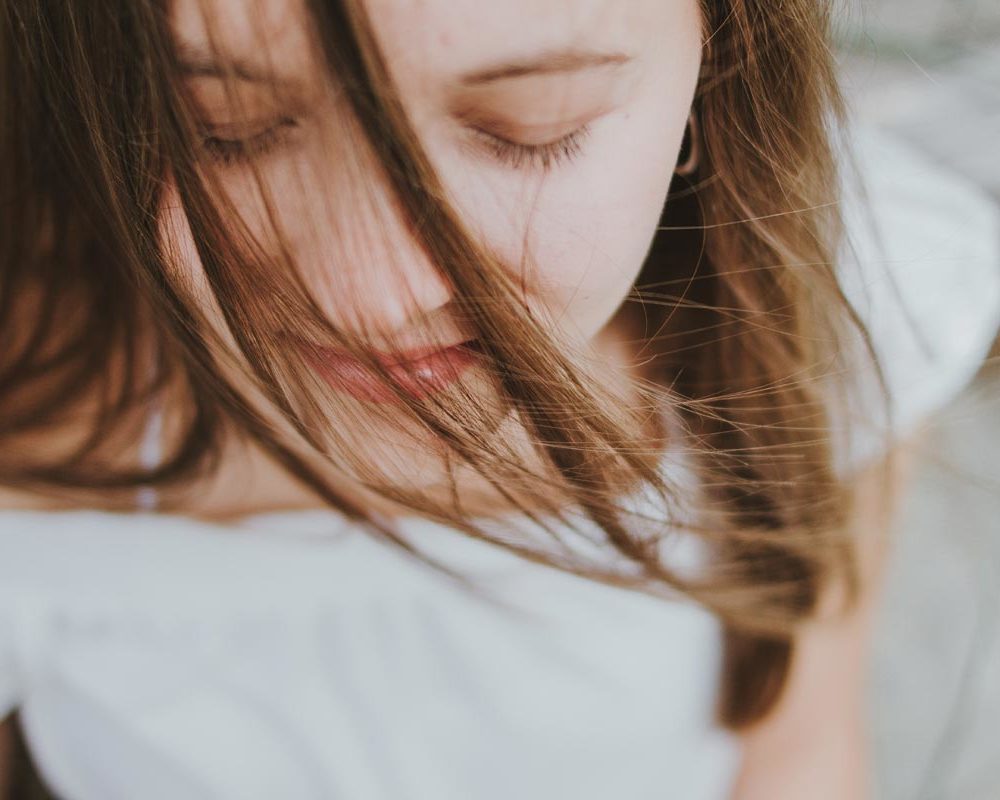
{"points": [[928, 71]]}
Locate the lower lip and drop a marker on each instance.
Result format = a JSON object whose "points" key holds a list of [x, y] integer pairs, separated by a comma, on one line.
{"points": [[418, 378]]}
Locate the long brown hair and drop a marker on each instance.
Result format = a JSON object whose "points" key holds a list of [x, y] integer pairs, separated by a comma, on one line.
{"points": [[745, 315]]}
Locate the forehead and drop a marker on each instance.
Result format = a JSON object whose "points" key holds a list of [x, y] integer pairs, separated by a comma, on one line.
{"points": [[425, 37]]}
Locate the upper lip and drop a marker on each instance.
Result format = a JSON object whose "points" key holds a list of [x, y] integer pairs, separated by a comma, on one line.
{"points": [[395, 358], [418, 354]]}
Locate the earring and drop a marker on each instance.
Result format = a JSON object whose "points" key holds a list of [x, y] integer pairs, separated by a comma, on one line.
{"points": [[690, 155]]}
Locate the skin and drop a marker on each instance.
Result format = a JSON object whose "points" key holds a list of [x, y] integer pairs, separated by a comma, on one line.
{"points": [[591, 219], [575, 232], [587, 223]]}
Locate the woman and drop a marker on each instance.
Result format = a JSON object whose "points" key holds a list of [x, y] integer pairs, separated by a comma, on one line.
{"points": [[544, 295]]}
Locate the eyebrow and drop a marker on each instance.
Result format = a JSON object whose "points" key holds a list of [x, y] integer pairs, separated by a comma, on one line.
{"points": [[550, 61], [194, 62]]}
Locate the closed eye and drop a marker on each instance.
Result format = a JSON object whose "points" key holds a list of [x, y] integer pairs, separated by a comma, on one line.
{"points": [[228, 151], [518, 155]]}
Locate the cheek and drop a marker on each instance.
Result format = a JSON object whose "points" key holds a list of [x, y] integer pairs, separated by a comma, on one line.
{"points": [[580, 234], [184, 266], [590, 243], [178, 245], [584, 230]]}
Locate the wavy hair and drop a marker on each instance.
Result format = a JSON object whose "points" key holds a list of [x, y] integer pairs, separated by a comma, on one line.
{"points": [[745, 317]]}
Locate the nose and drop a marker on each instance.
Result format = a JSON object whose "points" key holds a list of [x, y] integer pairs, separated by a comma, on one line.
{"points": [[381, 284], [403, 288]]}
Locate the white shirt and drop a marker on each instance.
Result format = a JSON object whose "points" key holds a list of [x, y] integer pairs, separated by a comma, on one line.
{"points": [[292, 656]]}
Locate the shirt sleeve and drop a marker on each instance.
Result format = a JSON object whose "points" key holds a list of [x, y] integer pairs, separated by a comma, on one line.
{"points": [[921, 266]]}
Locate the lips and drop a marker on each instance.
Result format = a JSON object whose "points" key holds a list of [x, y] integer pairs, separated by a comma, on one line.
{"points": [[418, 372]]}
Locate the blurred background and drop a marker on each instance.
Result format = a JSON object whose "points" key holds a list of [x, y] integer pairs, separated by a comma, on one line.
{"points": [[928, 72]]}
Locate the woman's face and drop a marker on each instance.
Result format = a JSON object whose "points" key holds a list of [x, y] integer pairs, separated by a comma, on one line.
{"points": [[554, 126]]}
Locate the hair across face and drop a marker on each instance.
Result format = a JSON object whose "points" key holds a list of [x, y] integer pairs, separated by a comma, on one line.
{"points": [[554, 140], [258, 188]]}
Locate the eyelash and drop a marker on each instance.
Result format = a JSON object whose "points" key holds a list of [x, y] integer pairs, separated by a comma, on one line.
{"points": [[237, 151], [545, 156], [512, 154]]}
